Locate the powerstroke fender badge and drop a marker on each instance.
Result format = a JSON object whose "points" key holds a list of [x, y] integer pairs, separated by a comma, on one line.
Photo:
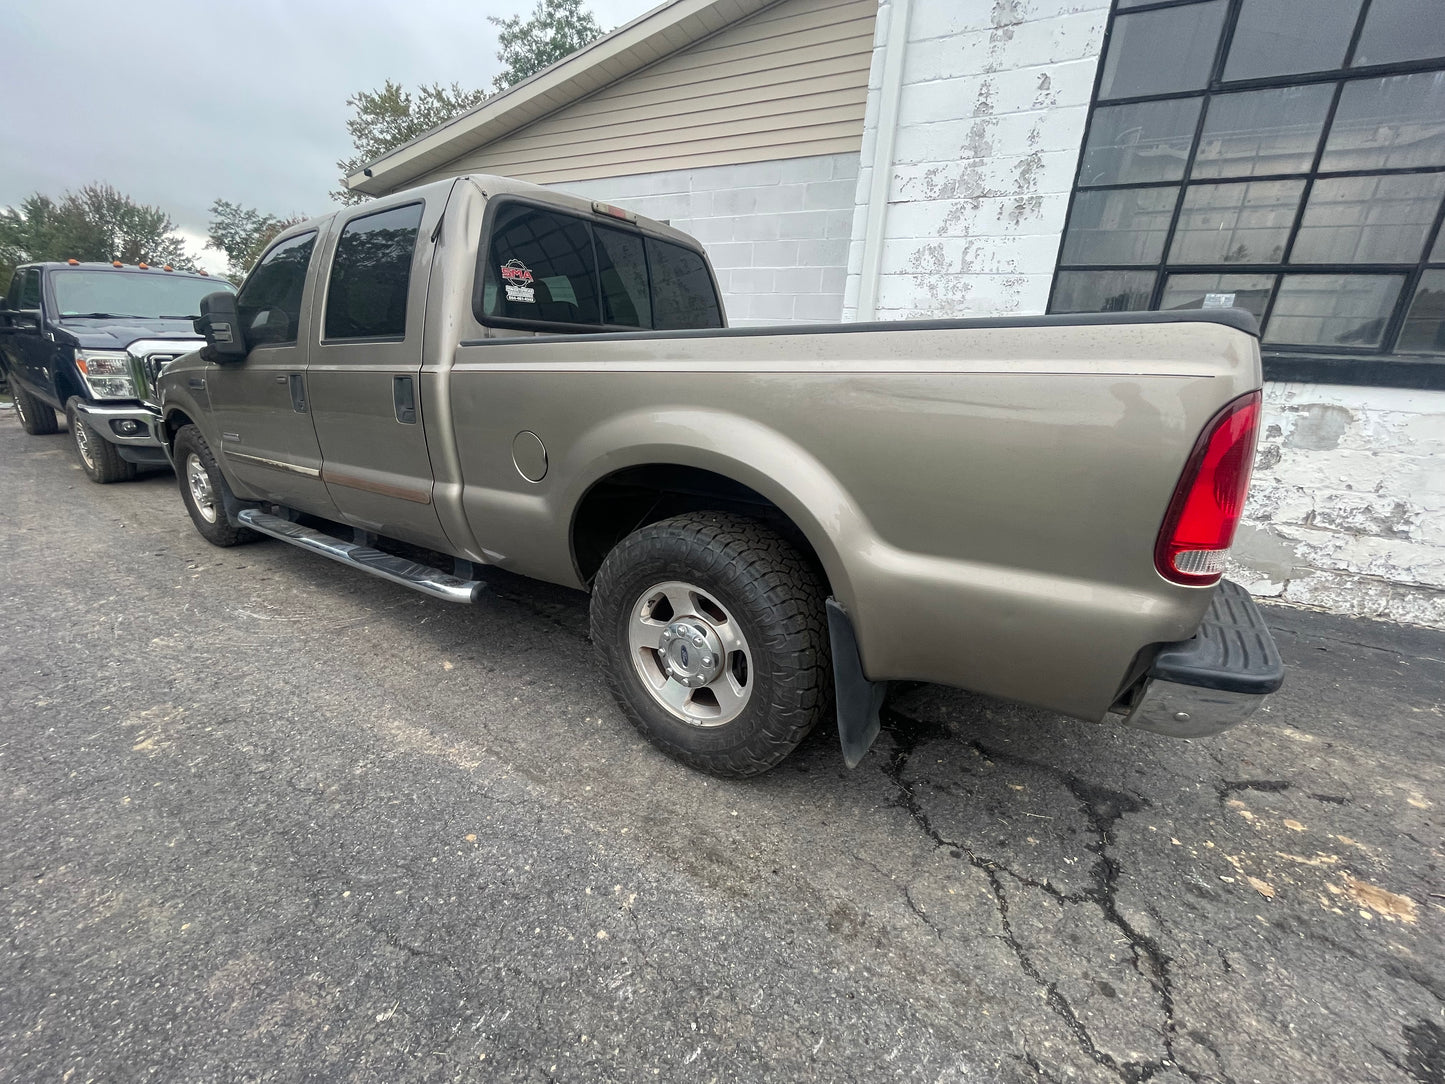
{"points": [[517, 278]]}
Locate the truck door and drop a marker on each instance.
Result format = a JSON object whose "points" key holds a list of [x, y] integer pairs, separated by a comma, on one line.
{"points": [[27, 352], [363, 374], [260, 405]]}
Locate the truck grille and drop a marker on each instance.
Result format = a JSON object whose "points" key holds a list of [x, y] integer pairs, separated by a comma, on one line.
{"points": [[148, 358]]}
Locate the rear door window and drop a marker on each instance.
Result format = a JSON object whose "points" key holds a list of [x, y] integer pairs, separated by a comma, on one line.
{"points": [[269, 304], [540, 267], [371, 275], [682, 289]]}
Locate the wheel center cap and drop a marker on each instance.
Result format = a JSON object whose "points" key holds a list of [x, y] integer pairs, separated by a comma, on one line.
{"points": [[692, 653]]}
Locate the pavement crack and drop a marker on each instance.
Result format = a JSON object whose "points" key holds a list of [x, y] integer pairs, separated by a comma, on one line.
{"points": [[1102, 807]]}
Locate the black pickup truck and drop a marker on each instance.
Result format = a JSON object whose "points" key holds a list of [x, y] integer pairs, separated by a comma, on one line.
{"points": [[89, 340]]}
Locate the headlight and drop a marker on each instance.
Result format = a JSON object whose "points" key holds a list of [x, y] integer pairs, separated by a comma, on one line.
{"points": [[107, 372]]}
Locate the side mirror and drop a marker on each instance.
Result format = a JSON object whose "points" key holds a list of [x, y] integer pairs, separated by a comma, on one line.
{"points": [[221, 327]]}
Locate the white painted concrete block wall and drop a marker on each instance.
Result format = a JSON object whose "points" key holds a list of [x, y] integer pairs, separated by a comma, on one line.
{"points": [[777, 232], [991, 118], [1347, 510]]}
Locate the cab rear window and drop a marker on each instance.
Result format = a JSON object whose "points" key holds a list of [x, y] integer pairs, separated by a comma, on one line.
{"points": [[548, 271]]}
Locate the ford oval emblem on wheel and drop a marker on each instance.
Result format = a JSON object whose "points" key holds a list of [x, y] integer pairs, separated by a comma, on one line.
{"points": [[682, 653]]}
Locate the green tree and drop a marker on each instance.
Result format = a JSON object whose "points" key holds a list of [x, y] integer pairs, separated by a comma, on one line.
{"points": [[556, 28], [384, 119], [243, 233], [95, 223]]}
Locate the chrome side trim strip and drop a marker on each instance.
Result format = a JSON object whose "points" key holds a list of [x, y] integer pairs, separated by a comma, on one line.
{"points": [[273, 464], [414, 494], [423, 578]]}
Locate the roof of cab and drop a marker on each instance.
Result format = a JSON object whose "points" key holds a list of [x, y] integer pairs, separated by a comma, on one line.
{"points": [[492, 184], [95, 265]]}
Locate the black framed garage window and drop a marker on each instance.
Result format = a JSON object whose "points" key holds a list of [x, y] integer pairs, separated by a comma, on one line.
{"points": [[1282, 156]]}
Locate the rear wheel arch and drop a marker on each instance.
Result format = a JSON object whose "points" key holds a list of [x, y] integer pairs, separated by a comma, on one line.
{"points": [[631, 498]]}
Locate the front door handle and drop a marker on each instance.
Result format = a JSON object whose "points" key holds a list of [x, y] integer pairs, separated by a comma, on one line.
{"points": [[403, 398], [298, 393]]}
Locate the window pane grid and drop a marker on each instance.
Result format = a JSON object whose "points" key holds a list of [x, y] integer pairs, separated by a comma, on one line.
{"points": [[1259, 151]]}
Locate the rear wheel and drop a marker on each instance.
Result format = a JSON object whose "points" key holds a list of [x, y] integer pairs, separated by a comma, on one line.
{"points": [[205, 491], [98, 456], [711, 632], [37, 418]]}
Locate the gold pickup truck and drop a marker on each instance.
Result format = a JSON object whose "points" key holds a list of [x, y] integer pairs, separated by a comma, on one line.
{"points": [[773, 523]]}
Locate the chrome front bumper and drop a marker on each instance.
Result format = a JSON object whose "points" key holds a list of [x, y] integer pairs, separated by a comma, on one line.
{"points": [[1215, 679], [146, 421]]}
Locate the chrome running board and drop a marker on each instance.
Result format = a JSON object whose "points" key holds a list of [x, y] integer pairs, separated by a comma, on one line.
{"points": [[423, 578]]}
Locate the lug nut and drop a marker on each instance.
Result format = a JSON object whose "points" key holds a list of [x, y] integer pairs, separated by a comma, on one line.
{"points": [[707, 660]]}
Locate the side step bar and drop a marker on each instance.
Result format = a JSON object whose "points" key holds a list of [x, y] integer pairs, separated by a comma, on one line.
{"points": [[423, 578]]}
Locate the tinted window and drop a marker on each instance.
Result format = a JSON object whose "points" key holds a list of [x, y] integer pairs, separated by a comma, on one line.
{"points": [[1245, 222], [269, 304], [1125, 225], [1160, 51], [540, 267], [1401, 30], [1102, 291], [1425, 326], [622, 272], [1369, 219], [1333, 310], [1280, 37], [1218, 292], [1389, 123], [1262, 131], [682, 290], [371, 275], [1148, 141]]}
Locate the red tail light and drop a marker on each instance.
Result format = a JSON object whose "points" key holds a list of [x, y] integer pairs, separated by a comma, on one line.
{"points": [[1199, 528]]}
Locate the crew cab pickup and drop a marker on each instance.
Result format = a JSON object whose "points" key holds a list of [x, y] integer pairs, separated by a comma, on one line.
{"points": [[88, 340], [771, 521]]}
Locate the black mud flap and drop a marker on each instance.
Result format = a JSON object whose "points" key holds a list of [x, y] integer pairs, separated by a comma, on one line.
{"points": [[859, 699]]}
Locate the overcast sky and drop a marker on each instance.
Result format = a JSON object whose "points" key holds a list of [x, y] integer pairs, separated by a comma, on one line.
{"points": [[181, 102]]}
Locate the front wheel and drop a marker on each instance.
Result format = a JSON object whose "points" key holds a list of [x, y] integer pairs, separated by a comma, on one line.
{"points": [[36, 418], [205, 491], [98, 457], [711, 631]]}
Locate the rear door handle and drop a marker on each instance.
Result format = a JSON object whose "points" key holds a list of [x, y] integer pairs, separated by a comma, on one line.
{"points": [[298, 392], [403, 398]]}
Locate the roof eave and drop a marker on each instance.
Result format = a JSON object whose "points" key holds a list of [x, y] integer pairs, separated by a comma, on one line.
{"points": [[612, 57]]}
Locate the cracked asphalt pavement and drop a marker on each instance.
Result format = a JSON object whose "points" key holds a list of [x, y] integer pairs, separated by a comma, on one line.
{"points": [[266, 819]]}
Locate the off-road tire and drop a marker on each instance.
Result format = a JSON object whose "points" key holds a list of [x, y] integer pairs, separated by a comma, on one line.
{"points": [[775, 595], [218, 531], [103, 464], [36, 418]]}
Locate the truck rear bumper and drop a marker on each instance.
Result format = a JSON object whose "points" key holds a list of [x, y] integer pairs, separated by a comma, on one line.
{"points": [[135, 426], [1216, 678]]}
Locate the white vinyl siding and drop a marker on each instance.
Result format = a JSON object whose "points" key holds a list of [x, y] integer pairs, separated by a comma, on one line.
{"points": [[788, 82]]}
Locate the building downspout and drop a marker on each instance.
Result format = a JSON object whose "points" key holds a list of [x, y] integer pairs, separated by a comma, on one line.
{"points": [[890, 97]]}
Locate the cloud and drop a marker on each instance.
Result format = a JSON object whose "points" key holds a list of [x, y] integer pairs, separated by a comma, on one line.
{"points": [[178, 103]]}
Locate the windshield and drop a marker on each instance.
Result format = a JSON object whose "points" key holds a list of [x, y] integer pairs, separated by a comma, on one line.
{"points": [[145, 295]]}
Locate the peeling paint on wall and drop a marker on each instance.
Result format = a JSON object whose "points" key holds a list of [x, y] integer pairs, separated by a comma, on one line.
{"points": [[1347, 509]]}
